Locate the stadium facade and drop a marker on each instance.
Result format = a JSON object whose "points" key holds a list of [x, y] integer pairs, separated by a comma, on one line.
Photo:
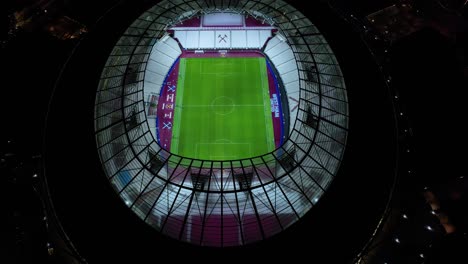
{"points": [[220, 202], [328, 176]]}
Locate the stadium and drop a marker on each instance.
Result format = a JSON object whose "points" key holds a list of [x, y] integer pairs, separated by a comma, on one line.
{"points": [[220, 128], [320, 131], [209, 155]]}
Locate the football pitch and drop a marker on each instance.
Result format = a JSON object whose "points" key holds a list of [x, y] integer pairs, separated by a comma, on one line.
{"points": [[222, 109]]}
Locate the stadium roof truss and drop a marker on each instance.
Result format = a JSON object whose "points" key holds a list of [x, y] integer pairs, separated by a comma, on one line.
{"points": [[221, 203]]}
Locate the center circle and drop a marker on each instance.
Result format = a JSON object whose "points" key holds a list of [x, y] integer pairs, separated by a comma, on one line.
{"points": [[223, 105]]}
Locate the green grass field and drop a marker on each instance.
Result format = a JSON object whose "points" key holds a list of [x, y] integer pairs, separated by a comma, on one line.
{"points": [[222, 109]]}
